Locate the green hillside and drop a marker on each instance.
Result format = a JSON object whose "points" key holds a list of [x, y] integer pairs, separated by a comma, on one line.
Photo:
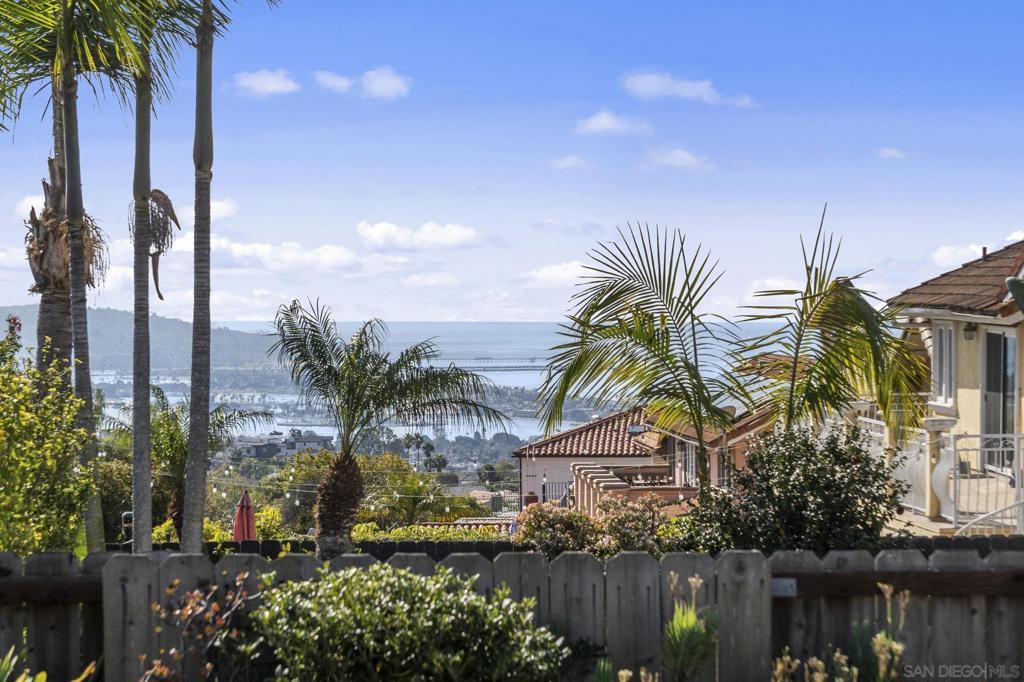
{"points": [[110, 341]]}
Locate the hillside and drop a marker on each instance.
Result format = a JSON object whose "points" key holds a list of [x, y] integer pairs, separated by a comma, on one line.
{"points": [[110, 341]]}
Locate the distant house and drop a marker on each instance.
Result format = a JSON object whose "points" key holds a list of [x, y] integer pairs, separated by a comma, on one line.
{"points": [[306, 441], [626, 454], [276, 444]]}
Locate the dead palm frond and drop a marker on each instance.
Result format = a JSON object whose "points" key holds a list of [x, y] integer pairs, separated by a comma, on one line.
{"points": [[162, 221]]}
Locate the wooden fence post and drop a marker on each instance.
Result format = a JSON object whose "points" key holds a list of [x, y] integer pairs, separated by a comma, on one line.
{"points": [[744, 616], [53, 634], [12, 616], [526, 574], [473, 564], [420, 564], [633, 616], [578, 597], [796, 621], [687, 565], [958, 622], [129, 591], [294, 567]]}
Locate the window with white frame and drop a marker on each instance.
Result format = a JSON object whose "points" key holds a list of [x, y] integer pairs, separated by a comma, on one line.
{"points": [[943, 363], [724, 467], [686, 460]]}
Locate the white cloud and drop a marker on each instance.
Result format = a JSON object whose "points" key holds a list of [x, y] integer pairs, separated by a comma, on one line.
{"points": [[384, 235], [332, 81], [265, 83], [554, 276], [679, 158], [1015, 236], [654, 85], [605, 122], [955, 254], [890, 153], [385, 83], [23, 205], [770, 283], [430, 280], [569, 162], [284, 256]]}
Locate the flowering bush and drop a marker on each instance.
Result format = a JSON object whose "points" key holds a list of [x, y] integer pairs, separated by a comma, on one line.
{"points": [[551, 529], [212, 532], [630, 525], [369, 532]]}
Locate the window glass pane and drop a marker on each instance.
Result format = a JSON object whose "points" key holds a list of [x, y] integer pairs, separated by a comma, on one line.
{"points": [[949, 363], [939, 357]]}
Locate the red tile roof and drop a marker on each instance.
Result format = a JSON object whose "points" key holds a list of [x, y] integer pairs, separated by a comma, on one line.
{"points": [[605, 437], [976, 287]]}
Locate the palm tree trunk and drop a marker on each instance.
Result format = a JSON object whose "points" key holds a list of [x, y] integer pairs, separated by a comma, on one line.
{"points": [[202, 156], [53, 325], [79, 294], [142, 493]]}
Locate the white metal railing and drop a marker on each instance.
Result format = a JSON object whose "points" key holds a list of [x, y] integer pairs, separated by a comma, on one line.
{"points": [[986, 480], [911, 453]]}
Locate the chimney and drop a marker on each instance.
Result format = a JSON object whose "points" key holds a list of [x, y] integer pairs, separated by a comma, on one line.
{"points": [[984, 253]]}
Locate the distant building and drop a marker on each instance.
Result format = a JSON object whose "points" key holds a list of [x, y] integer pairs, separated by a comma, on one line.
{"points": [[277, 444]]}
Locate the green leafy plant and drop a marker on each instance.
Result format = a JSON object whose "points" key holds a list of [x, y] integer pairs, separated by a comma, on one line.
{"points": [[799, 490], [690, 638], [551, 529], [43, 484], [212, 532], [381, 623], [630, 525]]}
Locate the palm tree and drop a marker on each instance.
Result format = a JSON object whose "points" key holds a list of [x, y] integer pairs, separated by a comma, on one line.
{"points": [[171, 429], [153, 221], [362, 387], [830, 347], [61, 40], [202, 157], [640, 334]]}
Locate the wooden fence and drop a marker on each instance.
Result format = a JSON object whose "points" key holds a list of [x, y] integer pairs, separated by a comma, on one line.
{"points": [[963, 610]]}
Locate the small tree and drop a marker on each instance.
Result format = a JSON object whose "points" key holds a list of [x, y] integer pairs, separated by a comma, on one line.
{"points": [[43, 488], [798, 491]]}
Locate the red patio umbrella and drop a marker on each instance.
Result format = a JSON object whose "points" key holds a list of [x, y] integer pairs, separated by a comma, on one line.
{"points": [[244, 525]]}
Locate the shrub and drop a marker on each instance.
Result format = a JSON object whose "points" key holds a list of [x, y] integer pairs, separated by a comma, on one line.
{"points": [[798, 491], [551, 529], [369, 532], [630, 525], [43, 487], [212, 532], [689, 640], [269, 523], [385, 624]]}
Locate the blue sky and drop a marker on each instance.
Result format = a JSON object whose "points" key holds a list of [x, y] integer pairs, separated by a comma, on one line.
{"points": [[456, 161]]}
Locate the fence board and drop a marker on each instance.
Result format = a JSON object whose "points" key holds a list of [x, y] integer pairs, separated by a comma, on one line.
{"points": [[12, 616], [178, 574], [633, 616], [1004, 625], [686, 565], [129, 590], [294, 567], [414, 563], [578, 597], [796, 622], [53, 630], [743, 596], [526, 574], [344, 561], [471, 563], [958, 622], [842, 617], [92, 614], [916, 635]]}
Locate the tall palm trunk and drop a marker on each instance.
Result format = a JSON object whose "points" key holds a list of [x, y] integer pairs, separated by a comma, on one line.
{"points": [[53, 326], [79, 295], [142, 494], [202, 156]]}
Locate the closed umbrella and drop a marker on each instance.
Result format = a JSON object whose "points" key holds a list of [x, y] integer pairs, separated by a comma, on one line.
{"points": [[244, 526]]}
